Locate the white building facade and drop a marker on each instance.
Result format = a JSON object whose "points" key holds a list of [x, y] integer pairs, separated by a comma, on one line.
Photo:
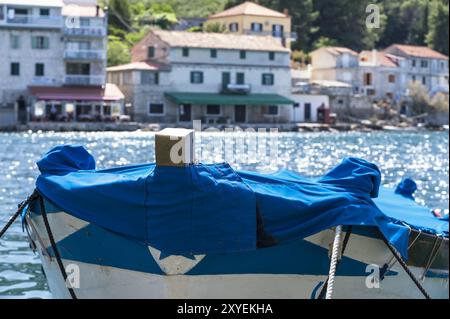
{"points": [[383, 75], [217, 78], [423, 65], [53, 56]]}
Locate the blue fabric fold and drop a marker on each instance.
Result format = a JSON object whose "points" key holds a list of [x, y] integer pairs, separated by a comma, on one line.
{"points": [[203, 209]]}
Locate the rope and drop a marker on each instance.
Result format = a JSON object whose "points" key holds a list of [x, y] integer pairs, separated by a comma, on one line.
{"points": [[432, 257], [334, 261], [344, 246], [21, 207], [55, 249], [406, 268]]}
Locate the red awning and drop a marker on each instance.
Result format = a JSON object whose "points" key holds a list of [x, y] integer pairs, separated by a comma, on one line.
{"points": [[110, 92]]}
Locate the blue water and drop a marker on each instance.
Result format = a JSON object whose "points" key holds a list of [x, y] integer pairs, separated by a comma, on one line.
{"points": [[420, 155]]}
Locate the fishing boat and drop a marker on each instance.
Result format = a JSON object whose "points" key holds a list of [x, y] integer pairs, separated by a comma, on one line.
{"points": [[208, 231]]}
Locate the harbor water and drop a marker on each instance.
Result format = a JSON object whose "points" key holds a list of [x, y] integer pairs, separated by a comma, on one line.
{"points": [[420, 155]]}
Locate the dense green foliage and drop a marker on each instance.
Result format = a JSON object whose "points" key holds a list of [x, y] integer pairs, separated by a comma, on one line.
{"points": [[316, 22]]}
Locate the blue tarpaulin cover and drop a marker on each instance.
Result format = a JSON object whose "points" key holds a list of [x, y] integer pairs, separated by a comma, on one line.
{"points": [[203, 209]]}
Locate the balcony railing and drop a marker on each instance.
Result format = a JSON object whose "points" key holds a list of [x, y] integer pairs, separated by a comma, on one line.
{"points": [[85, 31], [236, 88], [85, 54], [277, 34], [84, 80], [41, 80], [35, 21]]}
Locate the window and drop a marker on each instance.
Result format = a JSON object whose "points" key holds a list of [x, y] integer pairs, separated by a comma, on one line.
{"points": [[78, 68], [39, 69], [234, 27], [185, 52], [256, 27], [271, 56], [196, 77], [213, 53], [272, 110], [277, 30], [367, 78], [39, 42], [267, 79], [15, 69], [424, 64], [413, 63], [391, 78], [85, 22], [242, 54], [151, 52], [424, 80], [156, 109], [151, 78], [413, 78], [14, 41], [370, 92], [213, 109], [240, 78], [226, 79], [44, 12]]}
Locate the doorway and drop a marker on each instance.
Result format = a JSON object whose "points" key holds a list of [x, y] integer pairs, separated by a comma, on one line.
{"points": [[307, 112], [240, 113], [185, 113]]}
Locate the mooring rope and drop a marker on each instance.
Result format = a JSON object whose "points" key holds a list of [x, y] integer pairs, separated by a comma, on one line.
{"points": [[21, 207], [334, 261], [348, 232], [54, 247]]}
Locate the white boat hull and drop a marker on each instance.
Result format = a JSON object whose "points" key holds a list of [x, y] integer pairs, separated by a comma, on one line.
{"points": [[94, 280]]}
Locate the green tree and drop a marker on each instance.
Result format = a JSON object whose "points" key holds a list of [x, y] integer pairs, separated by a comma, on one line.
{"points": [[438, 25], [118, 51], [119, 16], [215, 28]]}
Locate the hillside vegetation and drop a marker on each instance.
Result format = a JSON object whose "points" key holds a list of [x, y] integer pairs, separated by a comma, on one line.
{"points": [[317, 22]]}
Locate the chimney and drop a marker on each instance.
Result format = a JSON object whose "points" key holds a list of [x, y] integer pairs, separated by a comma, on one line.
{"points": [[374, 57], [286, 12], [97, 10]]}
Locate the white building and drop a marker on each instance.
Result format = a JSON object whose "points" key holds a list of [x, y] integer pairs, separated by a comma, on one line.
{"points": [[382, 75], [423, 65], [336, 64], [218, 78], [311, 107], [53, 54]]}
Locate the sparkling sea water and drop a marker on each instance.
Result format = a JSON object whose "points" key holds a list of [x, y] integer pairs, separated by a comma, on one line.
{"points": [[421, 155]]}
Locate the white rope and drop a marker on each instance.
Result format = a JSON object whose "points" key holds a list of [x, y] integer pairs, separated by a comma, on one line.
{"points": [[334, 260]]}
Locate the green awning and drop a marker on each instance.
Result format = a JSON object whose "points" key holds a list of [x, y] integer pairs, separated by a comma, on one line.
{"points": [[225, 99]]}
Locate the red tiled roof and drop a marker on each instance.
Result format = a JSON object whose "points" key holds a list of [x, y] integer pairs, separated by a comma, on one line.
{"points": [[383, 59], [76, 93], [249, 8], [419, 51]]}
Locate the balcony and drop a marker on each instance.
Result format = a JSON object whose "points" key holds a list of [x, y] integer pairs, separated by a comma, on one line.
{"points": [[85, 55], [44, 81], [84, 80], [236, 88], [85, 31], [32, 21]]}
